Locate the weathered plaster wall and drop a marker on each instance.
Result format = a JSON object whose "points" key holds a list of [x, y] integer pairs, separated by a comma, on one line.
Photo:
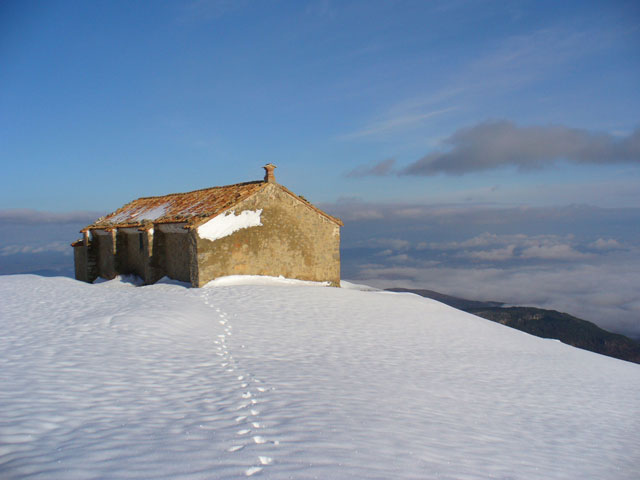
{"points": [[174, 254], [151, 256], [81, 263], [105, 259], [132, 254], [294, 241], [129, 257], [84, 256]]}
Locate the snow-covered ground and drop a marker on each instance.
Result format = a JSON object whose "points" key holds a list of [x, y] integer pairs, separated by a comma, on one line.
{"points": [[283, 380]]}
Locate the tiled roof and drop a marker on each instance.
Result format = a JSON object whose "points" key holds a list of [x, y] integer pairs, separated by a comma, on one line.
{"points": [[190, 207]]}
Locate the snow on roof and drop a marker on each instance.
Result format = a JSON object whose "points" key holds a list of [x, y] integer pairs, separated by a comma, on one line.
{"points": [[191, 207], [178, 207], [141, 214]]}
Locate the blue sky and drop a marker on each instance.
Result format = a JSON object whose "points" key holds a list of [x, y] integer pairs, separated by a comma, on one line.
{"points": [[150, 97], [380, 110]]}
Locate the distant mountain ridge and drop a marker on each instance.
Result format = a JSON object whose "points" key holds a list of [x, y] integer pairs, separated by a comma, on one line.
{"points": [[543, 323]]}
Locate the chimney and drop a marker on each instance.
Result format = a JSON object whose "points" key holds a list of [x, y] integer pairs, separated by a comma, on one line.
{"points": [[269, 177]]}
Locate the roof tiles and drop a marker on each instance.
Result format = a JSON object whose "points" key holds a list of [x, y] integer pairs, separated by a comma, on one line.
{"points": [[190, 207], [186, 207]]}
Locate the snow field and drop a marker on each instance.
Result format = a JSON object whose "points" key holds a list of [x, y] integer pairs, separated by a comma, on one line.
{"points": [[295, 381]]}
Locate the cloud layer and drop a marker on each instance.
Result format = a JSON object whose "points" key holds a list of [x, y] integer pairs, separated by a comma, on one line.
{"points": [[578, 259], [58, 247], [27, 216], [39, 241], [604, 294]]}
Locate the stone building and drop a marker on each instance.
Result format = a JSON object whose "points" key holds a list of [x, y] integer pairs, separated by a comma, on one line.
{"points": [[252, 228]]}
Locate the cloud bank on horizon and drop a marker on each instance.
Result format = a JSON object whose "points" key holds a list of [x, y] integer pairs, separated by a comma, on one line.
{"points": [[582, 260], [579, 259], [34, 241]]}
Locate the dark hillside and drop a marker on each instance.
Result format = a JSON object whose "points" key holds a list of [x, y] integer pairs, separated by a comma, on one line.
{"points": [[564, 327], [455, 302], [546, 324]]}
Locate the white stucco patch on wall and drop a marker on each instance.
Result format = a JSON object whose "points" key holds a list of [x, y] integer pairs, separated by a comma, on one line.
{"points": [[224, 225]]}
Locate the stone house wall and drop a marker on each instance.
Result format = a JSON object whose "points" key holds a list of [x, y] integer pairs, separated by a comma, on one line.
{"points": [[294, 240], [84, 259], [173, 253], [104, 245], [131, 252]]}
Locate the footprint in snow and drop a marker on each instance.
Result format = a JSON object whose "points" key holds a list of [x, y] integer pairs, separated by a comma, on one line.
{"points": [[257, 439]]}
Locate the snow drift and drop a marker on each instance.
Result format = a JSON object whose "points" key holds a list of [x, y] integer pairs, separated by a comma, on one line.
{"points": [[295, 381], [228, 223]]}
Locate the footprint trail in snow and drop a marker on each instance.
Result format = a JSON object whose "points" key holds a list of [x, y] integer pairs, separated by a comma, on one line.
{"points": [[249, 405]]}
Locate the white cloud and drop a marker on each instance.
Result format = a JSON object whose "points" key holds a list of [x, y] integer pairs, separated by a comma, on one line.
{"points": [[494, 144], [553, 252], [513, 246], [497, 254], [392, 243], [403, 257], [606, 244]]}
